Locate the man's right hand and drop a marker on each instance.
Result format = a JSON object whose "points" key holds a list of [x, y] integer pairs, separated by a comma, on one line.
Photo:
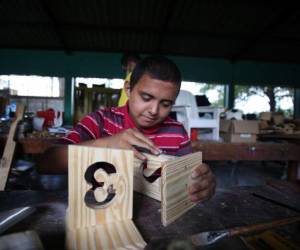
{"points": [[128, 139]]}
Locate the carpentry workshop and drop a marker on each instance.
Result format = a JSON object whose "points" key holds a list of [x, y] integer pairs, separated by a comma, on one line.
{"points": [[150, 124]]}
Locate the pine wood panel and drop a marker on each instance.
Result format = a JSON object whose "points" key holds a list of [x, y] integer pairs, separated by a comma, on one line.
{"points": [[119, 235], [171, 187], [109, 226], [175, 180], [143, 186]]}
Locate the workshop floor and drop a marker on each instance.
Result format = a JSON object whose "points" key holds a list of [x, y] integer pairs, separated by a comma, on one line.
{"points": [[228, 174]]}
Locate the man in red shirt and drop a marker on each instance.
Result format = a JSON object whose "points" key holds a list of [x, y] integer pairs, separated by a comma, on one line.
{"points": [[143, 122]]}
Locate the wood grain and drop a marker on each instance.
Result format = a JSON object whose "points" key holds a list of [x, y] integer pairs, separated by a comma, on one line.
{"points": [[171, 187], [108, 227], [175, 180], [140, 184]]}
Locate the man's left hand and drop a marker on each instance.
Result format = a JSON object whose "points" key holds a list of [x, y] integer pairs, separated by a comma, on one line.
{"points": [[202, 184]]}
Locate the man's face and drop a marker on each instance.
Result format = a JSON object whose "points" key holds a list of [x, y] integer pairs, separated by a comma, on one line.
{"points": [[150, 101]]}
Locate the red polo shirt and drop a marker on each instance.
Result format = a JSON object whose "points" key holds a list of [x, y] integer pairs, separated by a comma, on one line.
{"points": [[170, 136]]}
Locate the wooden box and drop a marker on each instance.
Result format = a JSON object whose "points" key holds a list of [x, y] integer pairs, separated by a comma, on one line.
{"points": [[171, 187]]}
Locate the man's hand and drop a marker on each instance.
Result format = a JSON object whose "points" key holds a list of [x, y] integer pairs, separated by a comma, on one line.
{"points": [[202, 184], [128, 139]]}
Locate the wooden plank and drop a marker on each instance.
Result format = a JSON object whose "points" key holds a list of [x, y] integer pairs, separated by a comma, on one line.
{"points": [[36, 145], [175, 180], [117, 235], [152, 190], [259, 151], [141, 184], [171, 188], [9, 149], [101, 199]]}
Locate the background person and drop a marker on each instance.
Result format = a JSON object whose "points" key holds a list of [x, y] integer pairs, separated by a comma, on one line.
{"points": [[128, 62]]}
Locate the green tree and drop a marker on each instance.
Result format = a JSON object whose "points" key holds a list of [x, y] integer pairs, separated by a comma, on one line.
{"points": [[204, 88], [274, 94]]}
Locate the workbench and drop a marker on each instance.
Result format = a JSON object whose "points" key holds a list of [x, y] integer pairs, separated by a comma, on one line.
{"points": [[228, 208], [213, 151], [32, 145], [258, 151]]}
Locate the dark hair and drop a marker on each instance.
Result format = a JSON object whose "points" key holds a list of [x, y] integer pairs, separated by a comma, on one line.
{"points": [[126, 57], [157, 67]]}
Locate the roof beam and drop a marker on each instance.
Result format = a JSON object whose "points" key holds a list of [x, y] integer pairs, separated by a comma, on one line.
{"points": [[139, 30], [56, 26], [273, 25], [164, 27]]}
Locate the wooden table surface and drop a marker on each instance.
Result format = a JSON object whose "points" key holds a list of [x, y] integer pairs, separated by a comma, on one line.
{"points": [[228, 208], [258, 151], [36, 145], [213, 151]]}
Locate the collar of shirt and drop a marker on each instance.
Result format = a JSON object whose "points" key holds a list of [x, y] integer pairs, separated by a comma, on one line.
{"points": [[129, 123]]}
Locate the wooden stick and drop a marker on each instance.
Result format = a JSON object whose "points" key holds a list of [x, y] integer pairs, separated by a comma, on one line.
{"points": [[262, 226], [9, 149]]}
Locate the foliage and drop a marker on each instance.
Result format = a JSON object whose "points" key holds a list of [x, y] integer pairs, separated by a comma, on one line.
{"points": [[205, 88], [274, 95]]}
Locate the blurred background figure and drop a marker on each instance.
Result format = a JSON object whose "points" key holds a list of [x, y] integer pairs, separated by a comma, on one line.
{"points": [[128, 62]]}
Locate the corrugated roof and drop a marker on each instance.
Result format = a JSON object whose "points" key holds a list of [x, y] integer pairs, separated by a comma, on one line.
{"points": [[232, 29]]}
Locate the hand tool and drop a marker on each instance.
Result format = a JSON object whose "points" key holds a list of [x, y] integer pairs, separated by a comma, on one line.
{"points": [[269, 240], [207, 238], [144, 150], [13, 216], [276, 202]]}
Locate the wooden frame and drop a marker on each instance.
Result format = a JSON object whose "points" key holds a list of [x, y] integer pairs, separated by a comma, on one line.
{"points": [[171, 188], [100, 199]]}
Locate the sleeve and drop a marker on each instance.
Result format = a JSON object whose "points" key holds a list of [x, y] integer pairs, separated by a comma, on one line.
{"points": [[185, 146], [87, 129]]}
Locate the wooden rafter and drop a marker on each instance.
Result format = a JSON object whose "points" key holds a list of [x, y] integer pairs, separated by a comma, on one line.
{"points": [[56, 26], [271, 27]]}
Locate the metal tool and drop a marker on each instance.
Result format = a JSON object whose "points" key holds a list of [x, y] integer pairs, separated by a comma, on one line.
{"points": [[276, 202], [208, 238], [13, 216], [143, 150]]}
